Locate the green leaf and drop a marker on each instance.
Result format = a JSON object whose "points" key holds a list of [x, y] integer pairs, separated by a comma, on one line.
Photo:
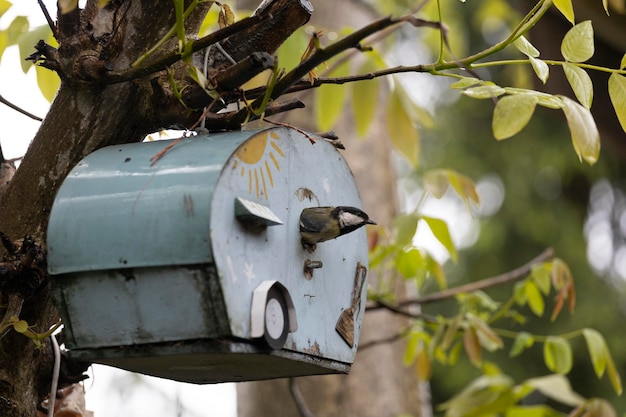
{"points": [[464, 187], [622, 64], [16, 28], [484, 91], [541, 276], [487, 337], [487, 395], [27, 42], [442, 234], [580, 82], [617, 92], [411, 349], [436, 270], [543, 99], [556, 387], [525, 47], [436, 181], [405, 226], [541, 69], [534, 298], [48, 82], [472, 346], [329, 101], [522, 342], [597, 350], [364, 100], [557, 354], [465, 82], [585, 135], [577, 45], [565, 7], [402, 132], [512, 114], [613, 374], [532, 411], [411, 263]]}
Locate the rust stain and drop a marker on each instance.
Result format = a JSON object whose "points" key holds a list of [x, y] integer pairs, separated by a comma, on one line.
{"points": [[313, 349]]}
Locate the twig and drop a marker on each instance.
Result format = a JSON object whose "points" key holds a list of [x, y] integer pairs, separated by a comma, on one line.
{"points": [[396, 308], [299, 399], [19, 109], [510, 276], [323, 54], [385, 340], [174, 56], [53, 27]]}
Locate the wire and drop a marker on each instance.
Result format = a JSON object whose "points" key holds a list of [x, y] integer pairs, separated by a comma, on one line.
{"points": [[55, 375]]}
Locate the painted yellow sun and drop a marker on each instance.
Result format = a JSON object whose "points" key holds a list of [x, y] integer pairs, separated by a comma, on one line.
{"points": [[256, 159]]}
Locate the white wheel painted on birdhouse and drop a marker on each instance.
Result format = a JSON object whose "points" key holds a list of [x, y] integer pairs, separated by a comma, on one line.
{"points": [[276, 319]]}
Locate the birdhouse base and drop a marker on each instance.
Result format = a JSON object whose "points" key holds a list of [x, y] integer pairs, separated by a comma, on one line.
{"points": [[228, 361]]}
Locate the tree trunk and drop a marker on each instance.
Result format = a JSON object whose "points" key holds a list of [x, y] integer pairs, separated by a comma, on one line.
{"points": [[378, 384], [94, 107]]}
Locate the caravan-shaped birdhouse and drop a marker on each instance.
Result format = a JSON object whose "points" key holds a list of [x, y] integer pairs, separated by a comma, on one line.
{"points": [[192, 268]]}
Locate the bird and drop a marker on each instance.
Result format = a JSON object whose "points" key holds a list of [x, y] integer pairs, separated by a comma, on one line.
{"points": [[319, 224]]}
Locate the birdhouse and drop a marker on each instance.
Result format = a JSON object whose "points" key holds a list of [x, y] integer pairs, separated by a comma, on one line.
{"points": [[192, 268]]}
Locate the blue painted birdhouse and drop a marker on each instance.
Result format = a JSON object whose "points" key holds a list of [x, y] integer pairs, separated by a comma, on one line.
{"points": [[192, 268]]}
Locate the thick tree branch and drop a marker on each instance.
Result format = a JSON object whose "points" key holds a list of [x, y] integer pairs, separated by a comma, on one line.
{"points": [[262, 32], [507, 277], [173, 56]]}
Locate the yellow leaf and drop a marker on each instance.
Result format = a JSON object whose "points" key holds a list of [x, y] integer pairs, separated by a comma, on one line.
{"points": [[577, 44], [617, 92], [364, 100], [580, 82], [330, 99], [512, 114], [565, 7], [585, 135], [423, 366], [48, 82], [557, 354], [402, 132], [541, 69], [442, 234], [525, 47]]}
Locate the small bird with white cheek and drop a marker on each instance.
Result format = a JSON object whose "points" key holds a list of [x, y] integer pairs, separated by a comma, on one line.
{"points": [[318, 224]]}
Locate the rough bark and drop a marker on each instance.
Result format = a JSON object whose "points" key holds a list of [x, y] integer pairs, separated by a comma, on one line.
{"points": [[93, 109]]}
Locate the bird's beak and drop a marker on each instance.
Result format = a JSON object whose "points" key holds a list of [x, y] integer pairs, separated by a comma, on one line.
{"points": [[370, 221]]}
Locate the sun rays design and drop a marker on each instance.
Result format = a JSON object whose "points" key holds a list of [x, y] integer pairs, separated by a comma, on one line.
{"points": [[256, 159]]}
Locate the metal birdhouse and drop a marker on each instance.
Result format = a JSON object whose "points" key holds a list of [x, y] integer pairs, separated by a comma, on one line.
{"points": [[192, 268]]}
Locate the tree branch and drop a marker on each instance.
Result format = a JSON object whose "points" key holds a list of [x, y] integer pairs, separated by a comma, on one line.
{"points": [[173, 56], [471, 287], [51, 24], [299, 399], [19, 109]]}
